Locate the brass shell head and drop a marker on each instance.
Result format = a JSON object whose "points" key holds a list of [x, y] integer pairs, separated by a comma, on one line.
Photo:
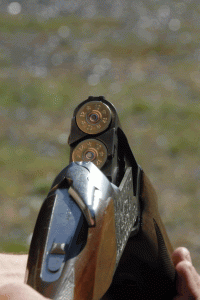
{"points": [[93, 117], [90, 150]]}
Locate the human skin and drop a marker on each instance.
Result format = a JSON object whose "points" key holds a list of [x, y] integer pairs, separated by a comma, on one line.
{"points": [[188, 280], [12, 272]]}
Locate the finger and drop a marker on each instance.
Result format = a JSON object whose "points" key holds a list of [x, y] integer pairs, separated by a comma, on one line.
{"points": [[181, 254], [188, 280], [12, 268], [187, 266], [13, 291]]}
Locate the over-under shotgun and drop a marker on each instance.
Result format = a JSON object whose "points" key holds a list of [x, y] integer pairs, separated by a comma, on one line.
{"points": [[99, 234]]}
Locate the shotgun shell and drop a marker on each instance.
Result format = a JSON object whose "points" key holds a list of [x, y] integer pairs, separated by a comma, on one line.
{"points": [[90, 150], [93, 117]]}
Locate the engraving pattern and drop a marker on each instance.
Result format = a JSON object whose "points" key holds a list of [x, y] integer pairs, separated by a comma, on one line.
{"points": [[126, 212], [67, 291]]}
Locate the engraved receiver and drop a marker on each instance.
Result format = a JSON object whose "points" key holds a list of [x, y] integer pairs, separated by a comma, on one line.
{"points": [[99, 234]]}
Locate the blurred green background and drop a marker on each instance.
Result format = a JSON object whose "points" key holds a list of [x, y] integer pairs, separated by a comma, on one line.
{"points": [[144, 57]]}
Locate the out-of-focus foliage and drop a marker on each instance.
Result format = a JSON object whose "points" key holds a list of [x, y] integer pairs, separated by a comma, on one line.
{"points": [[143, 57]]}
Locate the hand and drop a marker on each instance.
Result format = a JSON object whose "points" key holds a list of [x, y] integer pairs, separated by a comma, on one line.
{"points": [[12, 272], [188, 280]]}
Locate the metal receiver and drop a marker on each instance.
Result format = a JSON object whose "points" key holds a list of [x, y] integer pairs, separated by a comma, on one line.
{"points": [[110, 213]]}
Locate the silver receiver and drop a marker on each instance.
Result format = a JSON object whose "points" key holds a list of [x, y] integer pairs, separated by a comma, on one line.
{"points": [[85, 191]]}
